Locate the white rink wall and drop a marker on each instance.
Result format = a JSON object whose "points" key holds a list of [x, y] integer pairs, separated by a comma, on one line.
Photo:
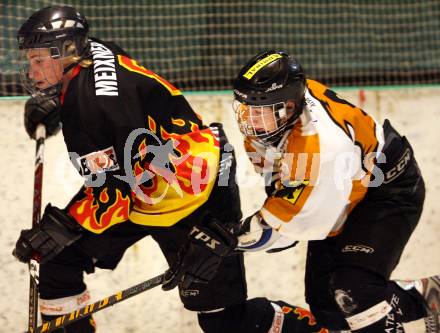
{"points": [[413, 112]]}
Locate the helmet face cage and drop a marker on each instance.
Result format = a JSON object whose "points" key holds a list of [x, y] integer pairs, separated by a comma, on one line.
{"points": [[263, 123], [50, 41], [273, 84], [41, 69]]}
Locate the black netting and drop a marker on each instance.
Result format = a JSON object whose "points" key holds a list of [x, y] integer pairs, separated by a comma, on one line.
{"points": [[200, 45]]}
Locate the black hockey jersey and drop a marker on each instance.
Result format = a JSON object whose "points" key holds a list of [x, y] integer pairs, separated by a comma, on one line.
{"points": [[145, 154]]}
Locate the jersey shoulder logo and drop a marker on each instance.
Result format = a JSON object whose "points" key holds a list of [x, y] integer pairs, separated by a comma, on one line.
{"points": [[291, 190]]}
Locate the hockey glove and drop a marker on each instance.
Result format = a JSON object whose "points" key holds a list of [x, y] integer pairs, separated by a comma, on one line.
{"points": [[55, 231], [256, 235], [200, 257], [38, 110]]}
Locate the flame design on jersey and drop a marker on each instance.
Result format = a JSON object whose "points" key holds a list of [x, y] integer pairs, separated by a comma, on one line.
{"points": [[143, 148], [194, 127], [179, 181], [357, 125], [190, 148], [133, 66], [98, 216], [190, 159], [151, 124], [147, 188], [178, 122], [303, 313], [103, 196]]}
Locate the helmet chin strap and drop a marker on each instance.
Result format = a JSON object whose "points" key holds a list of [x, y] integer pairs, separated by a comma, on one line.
{"points": [[84, 55], [69, 67]]}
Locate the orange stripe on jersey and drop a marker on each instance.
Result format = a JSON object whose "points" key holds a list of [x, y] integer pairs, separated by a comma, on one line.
{"points": [[300, 169], [344, 114], [357, 193], [255, 159], [133, 66]]}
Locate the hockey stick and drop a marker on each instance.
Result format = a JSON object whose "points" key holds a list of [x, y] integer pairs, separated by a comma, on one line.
{"points": [[87, 310], [40, 136]]}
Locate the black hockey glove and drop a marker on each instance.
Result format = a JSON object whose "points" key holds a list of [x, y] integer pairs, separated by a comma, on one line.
{"points": [[55, 231], [200, 257], [39, 110]]}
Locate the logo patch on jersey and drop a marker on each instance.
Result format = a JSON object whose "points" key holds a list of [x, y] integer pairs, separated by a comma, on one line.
{"points": [[291, 190], [98, 161]]}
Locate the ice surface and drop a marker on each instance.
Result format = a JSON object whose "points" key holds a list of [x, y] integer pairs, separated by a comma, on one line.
{"points": [[414, 112]]}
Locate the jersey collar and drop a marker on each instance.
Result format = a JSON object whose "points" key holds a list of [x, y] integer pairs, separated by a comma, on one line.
{"points": [[75, 73]]}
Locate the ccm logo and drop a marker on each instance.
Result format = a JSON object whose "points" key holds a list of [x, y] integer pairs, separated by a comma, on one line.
{"points": [[399, 167], [358, 248], [200, 235], [189, 293]]}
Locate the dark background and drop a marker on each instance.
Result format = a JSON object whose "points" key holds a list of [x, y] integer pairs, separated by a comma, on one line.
{"points": [[200, 45]]}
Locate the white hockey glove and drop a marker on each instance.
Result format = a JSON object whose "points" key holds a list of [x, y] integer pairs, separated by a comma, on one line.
{"points": [[256, 235]]}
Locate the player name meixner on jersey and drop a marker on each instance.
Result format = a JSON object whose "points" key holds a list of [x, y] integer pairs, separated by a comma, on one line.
{"points": [[104, 68]]}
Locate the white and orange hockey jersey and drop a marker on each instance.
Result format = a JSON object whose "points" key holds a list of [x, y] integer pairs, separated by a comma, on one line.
{"points": [[322, 167]]}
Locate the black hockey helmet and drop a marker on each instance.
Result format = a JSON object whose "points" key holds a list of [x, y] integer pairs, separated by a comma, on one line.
{"points": [[52, 27], [271, 79], [268, 78]]}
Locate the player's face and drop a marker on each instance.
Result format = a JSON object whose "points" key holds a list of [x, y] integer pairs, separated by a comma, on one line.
{"points": [[263, 121], [261, 118], [44, 71]]}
